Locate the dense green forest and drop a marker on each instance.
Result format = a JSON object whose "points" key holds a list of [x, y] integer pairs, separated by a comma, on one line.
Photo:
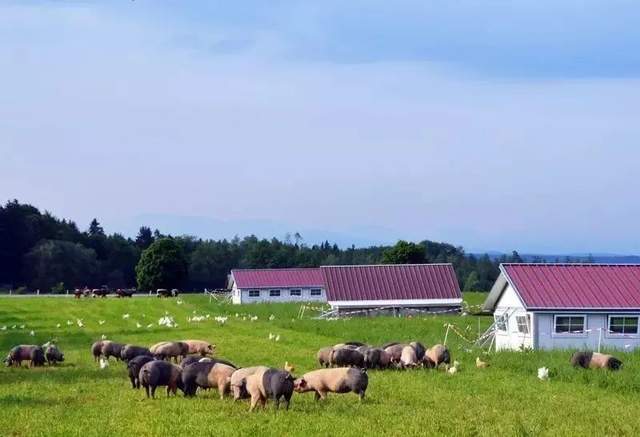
{"points": [[41, 252]]}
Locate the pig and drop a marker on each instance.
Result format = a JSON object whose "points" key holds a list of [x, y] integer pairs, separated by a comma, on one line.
{"points": [[347, 357], [270, 384], [436, 355], [385, 359], [158, 373], [96, 349], [420, 350], [362, 349], [112, 349], [408, 357], [207, 375], [324, 356], [133, 367], [354, 343], [25, 352], [200, 347], [395, 352], [595, 360], [239, 381], [53, 355], [155, 346], [168, 350], [190, 359], [130, 351], [344, 346], [339, 380], [37, 357], [372, 358], [392, 343]]}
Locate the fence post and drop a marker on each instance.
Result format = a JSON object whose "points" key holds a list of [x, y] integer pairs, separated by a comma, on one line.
{"points": [[599, 338]]}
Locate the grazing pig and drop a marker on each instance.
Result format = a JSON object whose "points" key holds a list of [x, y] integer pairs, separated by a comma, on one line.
{"points": [[168, 350], [133, 367], [408, 357], [200, 347], [363, 349], [154, 347], [385, 359], [419, 348], [278, 385], [158, 373], [324, 356], [595, 360], [340, 380], [37, 357], [96, 349], [395, 352], [53, 355], [386, 345], [347, 357], [130, 351], [436, 355], [190, 359], [270, 384], [207, 375], [372, 358], [25, 352], [112, 349], [239, 381]]}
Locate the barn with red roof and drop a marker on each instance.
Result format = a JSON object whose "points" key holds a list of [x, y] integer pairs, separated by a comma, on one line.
{"points": [[276, 285], [392, 288], [568, 306]]}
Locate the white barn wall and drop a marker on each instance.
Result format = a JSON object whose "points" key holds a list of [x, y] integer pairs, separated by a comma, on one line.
{"points": [[509, 303], [547, 339], [242, 295]]}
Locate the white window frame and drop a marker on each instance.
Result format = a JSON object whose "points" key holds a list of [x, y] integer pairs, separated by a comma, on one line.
{"points": [[275, 293], [297, 291], [619, 334], [584, 332], [504, 318], [527, 324], [251, 292], [315, 292]]}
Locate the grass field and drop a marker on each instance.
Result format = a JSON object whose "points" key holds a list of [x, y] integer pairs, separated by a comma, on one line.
{"points": [[78, 398]]}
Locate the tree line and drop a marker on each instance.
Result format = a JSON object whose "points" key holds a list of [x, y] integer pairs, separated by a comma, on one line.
{"points": [[39, 251]]}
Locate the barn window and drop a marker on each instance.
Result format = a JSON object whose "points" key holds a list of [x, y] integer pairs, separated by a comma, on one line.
{"points": [[523, 324], [254, 293], [274, 293], [569, 324], [316, 292], [501, 322], [623, 324], [295, 292]]}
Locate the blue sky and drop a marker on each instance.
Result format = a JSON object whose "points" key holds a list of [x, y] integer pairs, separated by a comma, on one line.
{"points": [[494, 125]]}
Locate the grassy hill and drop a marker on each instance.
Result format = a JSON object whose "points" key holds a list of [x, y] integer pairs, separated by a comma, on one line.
{"points": [[78, 398]]}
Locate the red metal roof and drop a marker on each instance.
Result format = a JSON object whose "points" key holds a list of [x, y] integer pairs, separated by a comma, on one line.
{"points": [[391, 282], [569, 286], [285, 278]]}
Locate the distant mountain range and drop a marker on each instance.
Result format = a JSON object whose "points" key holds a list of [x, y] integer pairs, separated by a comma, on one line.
{"points": [[207, 227], [603, 258]]}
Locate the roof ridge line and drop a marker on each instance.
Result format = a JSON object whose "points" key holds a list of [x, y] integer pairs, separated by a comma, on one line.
{"points": [[387, 265]]}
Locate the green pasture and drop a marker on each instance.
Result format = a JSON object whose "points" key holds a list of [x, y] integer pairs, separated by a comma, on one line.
{"points": [[78, 398]]}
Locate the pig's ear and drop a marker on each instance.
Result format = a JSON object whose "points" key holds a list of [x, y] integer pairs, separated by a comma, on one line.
{"points": [[303, 382]]}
